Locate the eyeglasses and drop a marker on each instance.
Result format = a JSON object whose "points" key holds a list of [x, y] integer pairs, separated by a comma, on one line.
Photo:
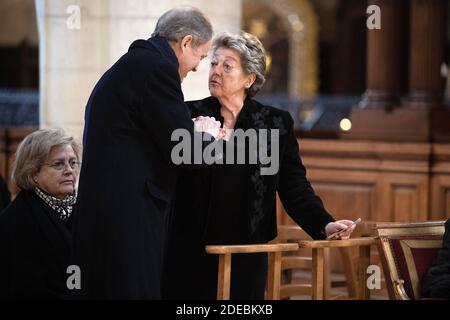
{"points": [[60, 165]]}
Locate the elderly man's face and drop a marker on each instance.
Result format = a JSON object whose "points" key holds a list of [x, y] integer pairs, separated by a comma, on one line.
{"points": [[59, 173], [191, 57], [226, 76]]}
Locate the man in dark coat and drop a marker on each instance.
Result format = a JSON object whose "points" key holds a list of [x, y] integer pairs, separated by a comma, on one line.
{"points": [[127, 177]]}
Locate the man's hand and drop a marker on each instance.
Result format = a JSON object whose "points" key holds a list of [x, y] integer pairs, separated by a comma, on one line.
{"points": [[209, 125]]}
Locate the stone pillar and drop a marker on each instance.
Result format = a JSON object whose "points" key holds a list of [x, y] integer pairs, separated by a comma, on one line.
{"points": [[427, 34], [421, 117], [383, 57], [72, 59]]}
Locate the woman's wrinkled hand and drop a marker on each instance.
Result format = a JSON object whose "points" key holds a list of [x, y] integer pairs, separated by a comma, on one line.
{"points": [[346, 226]]}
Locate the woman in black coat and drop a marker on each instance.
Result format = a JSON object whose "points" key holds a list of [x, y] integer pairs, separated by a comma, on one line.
{"points": [[234, 203], [35, 235]]}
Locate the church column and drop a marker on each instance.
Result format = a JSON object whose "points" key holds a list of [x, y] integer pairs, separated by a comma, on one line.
{"points": [[383, 52], [427, 31]]}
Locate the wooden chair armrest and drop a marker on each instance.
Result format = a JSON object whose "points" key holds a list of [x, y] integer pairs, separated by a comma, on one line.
{"points": [[355, 242], [274, 270], [251, 248], [356, 280]]}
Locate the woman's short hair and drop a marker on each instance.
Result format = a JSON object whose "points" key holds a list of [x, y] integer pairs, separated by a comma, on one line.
{"points": [[34, 150], [252, 53], [179, 22]]}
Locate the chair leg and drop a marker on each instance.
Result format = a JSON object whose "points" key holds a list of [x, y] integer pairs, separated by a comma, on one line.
{"points": [[350, 272], [317, 273], [364, 261], [274, 276], [223, 283], [326, 274]]}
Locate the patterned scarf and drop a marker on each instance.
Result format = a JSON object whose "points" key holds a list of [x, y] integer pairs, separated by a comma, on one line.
{"points": [[62, 206]]}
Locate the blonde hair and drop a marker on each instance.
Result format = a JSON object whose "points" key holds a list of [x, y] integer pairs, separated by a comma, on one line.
{"points": [[34, 150]]}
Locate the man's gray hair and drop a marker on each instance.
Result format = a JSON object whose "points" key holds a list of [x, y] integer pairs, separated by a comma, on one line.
{"points": [[252, 53], [180, 22], [34, 150]]}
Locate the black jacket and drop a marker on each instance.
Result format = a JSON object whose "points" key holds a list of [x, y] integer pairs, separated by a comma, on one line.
{"points": [[34, 250], [5, 196], [127, 178], [295, 191], [437, 280]]}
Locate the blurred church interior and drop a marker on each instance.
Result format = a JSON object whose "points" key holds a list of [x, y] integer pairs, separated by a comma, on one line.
{"points": [[371, 106]]}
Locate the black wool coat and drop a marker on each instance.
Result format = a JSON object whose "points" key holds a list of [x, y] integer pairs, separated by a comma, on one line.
{"points": [[295, 191], [5, 196], [127, 178], [34, 250]]}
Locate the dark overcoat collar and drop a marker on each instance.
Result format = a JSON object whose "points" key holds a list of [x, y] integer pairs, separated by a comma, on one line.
{"points": [[252, 116], [159, 43]]}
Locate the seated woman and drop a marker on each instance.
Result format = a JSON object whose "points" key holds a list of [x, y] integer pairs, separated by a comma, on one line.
{"points": [[35, 230], [234, 203], [437, 280]]}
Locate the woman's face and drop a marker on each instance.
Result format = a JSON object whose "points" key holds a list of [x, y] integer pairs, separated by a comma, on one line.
{"points": [[59, 173], [226, 76]]}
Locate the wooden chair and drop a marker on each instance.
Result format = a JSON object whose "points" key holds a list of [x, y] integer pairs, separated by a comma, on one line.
{"points": [[357, 288], [225, 253], [295, 261], [319, 264], [407, 251]]}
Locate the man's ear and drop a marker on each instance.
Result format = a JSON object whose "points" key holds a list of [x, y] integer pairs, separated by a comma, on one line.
{"points": [[186, 42]]}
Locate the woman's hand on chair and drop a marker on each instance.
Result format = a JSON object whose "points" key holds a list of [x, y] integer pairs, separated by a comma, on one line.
{"points": [[344, 227]]}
